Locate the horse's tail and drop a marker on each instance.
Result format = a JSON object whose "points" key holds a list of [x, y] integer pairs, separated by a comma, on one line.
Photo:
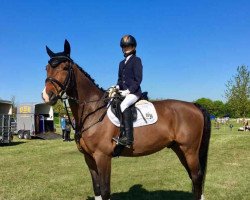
{"points": [[203, 152]]}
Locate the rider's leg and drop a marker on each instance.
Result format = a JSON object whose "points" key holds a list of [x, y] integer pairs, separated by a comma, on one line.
{"points": [[127, 138], [128, 101], [128, 128]]}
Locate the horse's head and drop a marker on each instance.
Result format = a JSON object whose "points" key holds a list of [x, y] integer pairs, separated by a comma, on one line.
{"points": [[59, 74]]}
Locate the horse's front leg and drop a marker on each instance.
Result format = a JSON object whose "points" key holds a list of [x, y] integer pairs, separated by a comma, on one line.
{"points": [[94, 175], [103, 163]]}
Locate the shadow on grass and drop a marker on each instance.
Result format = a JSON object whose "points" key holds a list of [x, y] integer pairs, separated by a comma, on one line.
{"points": [[136, 192], [12, 144]]}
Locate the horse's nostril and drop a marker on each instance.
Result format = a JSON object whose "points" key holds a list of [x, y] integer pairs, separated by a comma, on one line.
{"points": [[51, 94], [52, 98]]}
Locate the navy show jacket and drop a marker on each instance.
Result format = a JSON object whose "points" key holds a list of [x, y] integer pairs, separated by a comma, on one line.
{"points": [[130, 75]]}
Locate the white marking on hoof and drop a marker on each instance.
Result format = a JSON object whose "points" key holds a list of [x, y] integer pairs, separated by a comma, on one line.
{"points": [[45, 96], [202, 197], [98, 197]]}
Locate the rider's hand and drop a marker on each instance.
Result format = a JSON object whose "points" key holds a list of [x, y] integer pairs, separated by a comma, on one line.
{"points": [[113, 90], [124, 92]]}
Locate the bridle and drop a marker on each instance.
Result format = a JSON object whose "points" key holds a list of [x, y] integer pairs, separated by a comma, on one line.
{"points": [[54, 62]]}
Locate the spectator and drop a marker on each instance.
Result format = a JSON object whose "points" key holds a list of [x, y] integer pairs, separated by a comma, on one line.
{"points": [[67, 130], [246, 127], [74, 124], [63, 126]]}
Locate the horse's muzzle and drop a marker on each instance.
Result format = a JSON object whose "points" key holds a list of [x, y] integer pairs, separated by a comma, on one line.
{"points": [[52, 98]]}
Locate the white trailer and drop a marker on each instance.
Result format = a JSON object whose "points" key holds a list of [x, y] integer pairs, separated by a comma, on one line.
{"points": [[34, 119]]}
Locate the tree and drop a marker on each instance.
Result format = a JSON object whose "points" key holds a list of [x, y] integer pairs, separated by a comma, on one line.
{"points": [[206, 103], [14, 108], [13, 100], [219, 108], [216, 108], [59, 108], [229, 111], [238, 92]]}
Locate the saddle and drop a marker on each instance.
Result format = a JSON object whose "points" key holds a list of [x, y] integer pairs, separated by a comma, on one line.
{"points": [[116, 109]]}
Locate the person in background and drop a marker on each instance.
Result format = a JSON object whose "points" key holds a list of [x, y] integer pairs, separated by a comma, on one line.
{"points": [[67, 130], [246, 127], [74, 124], [63, 126]]}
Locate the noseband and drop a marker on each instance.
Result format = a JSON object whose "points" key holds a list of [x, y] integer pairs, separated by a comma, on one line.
{"points": [[54, 62]]}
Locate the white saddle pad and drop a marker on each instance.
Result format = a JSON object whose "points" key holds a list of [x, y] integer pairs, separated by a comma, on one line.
{"points": [[146, 116]]}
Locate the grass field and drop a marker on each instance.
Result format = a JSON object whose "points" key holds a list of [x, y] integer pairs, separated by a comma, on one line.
{"points": [[52, 169]]}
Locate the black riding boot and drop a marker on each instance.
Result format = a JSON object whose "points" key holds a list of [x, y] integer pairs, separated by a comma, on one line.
{"points": [[127, 138]]}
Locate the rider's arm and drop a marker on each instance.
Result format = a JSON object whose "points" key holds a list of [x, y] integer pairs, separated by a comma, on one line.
{"points": [[137, 70]]}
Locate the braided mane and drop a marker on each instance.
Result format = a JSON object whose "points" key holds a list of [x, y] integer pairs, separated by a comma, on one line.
{"points": [[89, 77]]}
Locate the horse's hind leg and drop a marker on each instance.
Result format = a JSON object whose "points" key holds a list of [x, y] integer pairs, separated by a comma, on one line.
{"points": [[196, 174], [94, 175], [176, 148], [191, 163]]}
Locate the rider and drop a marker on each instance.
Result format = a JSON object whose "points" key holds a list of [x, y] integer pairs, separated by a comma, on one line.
{"points": [[129, 80]]}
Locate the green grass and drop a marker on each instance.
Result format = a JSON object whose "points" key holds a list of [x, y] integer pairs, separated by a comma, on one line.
{"points": [[52, 169]]}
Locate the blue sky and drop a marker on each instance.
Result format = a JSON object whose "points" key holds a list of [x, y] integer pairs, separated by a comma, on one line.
{"points": [[189, 49]]}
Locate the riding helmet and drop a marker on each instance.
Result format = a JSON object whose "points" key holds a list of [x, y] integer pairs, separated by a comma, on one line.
{"points": [[128, 40]]}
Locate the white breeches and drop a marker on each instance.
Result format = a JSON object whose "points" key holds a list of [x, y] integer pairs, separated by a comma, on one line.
{"points": [[128, 101]]}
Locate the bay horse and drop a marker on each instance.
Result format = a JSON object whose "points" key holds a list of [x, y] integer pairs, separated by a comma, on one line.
{"points": [[182, 126]]}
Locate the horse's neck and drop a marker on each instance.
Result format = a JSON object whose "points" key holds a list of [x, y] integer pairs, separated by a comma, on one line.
{"points": [[84, 91]]}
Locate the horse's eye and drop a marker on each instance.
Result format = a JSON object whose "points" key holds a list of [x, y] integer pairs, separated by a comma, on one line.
{"points": [[66, 67]]}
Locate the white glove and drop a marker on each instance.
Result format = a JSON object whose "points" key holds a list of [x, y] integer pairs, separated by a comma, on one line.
{"points": [[113, 90], [124, 92]]}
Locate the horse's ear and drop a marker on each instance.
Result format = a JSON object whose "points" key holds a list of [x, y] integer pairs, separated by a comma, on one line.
{"points": [[49, 52], [67, 48]]}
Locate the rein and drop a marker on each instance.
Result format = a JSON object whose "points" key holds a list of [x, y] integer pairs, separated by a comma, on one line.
{"points": [[88, 115]]}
